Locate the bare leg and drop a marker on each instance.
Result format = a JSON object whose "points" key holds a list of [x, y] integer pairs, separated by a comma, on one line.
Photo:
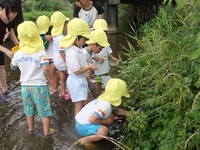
{"points": [[3, 83], [55, 77], [30, 121], [63, 78], [103, 130], [78, 106], [46, 125], [88, 98]]}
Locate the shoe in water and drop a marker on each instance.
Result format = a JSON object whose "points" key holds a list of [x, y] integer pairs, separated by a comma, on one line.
{"points": [[9, 93]]}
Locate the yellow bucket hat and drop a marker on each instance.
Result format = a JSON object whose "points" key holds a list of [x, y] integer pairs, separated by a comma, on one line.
{"points": [[58, 20], [114, 90], [43, 24], [100, 24], [30, 41], [98, 36], [75, 28]]}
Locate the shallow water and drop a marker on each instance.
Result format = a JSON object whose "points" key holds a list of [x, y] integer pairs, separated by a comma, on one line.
{"points": [[13, 124]]}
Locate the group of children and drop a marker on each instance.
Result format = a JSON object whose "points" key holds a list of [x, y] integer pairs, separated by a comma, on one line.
{"points": [[69, 47]]}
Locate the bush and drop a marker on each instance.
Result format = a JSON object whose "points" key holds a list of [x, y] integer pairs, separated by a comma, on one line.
{"points": [[41, 5], [163, 78], [32, 16]]}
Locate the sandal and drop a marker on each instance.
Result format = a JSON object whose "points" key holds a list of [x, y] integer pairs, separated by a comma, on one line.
{"points": [[53, 91], [33, 132], [81, 142], [51, 131], [64, 96]]}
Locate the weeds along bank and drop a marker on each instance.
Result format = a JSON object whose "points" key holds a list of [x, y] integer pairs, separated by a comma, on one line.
{"points": [[164, 79]]}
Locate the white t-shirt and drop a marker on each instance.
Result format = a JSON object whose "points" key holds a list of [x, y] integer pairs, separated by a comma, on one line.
{"points": [[58, 61], [101, 108], [30, 66], [75, 59], [89, 15], [103, 67]]}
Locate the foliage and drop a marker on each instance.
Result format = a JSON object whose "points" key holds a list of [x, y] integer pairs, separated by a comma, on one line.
{"points": [[163, 78], [41, 5], [32, 16]]}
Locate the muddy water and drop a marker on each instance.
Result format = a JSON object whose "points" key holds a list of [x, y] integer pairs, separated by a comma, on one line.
{"points": [[13, 124]]}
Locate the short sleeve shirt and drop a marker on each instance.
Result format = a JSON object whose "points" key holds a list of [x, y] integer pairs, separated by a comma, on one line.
{"points": [[89, 15], [30, 66], [101, 108], [75, 59]]}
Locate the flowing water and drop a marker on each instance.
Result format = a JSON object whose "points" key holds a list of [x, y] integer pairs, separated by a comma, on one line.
{"points": [[13, 124]]}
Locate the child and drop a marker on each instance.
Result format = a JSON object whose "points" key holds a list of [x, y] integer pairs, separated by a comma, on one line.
{"points": [[58, 20], [33, 63], [88, 10], [102, 75], [94, 117], [78, 31], [98, 40], [44, 25], [8, 12]]}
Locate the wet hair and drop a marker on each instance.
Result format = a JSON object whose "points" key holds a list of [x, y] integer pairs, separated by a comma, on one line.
{"points": [[10, 5]]}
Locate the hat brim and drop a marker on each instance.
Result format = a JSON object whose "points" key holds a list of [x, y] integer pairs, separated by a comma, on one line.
{"points": [[103, 44], [127, 95], [57, 30], [67, 41], [114, 100], [44, 31]]}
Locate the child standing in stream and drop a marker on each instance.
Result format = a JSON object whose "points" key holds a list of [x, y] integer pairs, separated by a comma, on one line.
{"points": [[33, 63]]}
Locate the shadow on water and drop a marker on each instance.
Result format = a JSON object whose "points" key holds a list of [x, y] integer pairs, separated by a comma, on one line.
{"points": [[13, 124]]}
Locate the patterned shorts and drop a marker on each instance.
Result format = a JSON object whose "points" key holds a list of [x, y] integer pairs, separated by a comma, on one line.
{"points": [[36, 100], [88, 129]]}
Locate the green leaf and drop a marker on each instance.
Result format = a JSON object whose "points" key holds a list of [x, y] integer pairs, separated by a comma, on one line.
{"points": [[195, 54]]}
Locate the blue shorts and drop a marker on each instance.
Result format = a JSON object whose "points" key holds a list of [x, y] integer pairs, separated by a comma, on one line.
{"points": [[36, 99], [88, 129]]}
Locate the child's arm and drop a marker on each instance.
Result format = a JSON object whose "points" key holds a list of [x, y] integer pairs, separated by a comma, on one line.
{"points": [[46, 69], [85, 69], [95, 120], [63, 56], [99, 59], [112, 57], [121, 112], [62, 53], [48, 37]]}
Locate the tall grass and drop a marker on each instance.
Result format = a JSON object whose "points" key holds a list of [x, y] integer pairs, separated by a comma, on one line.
{"points": [[163, 77]]}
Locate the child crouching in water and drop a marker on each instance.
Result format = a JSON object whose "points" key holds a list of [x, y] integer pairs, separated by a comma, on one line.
{"points": [[92, 120], [33, 63]]}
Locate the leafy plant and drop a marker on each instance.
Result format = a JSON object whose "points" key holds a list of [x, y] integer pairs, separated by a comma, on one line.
{"points": [[41, 5], [163, 78]]}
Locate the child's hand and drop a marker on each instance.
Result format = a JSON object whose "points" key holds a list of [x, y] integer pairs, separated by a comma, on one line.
{"points": [[109, 120], [115, 59], [93, 67], [101, 60], [48, 37]]}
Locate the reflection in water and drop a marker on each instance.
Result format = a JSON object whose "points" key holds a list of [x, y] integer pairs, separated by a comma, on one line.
{"points": [[13, 124]]}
